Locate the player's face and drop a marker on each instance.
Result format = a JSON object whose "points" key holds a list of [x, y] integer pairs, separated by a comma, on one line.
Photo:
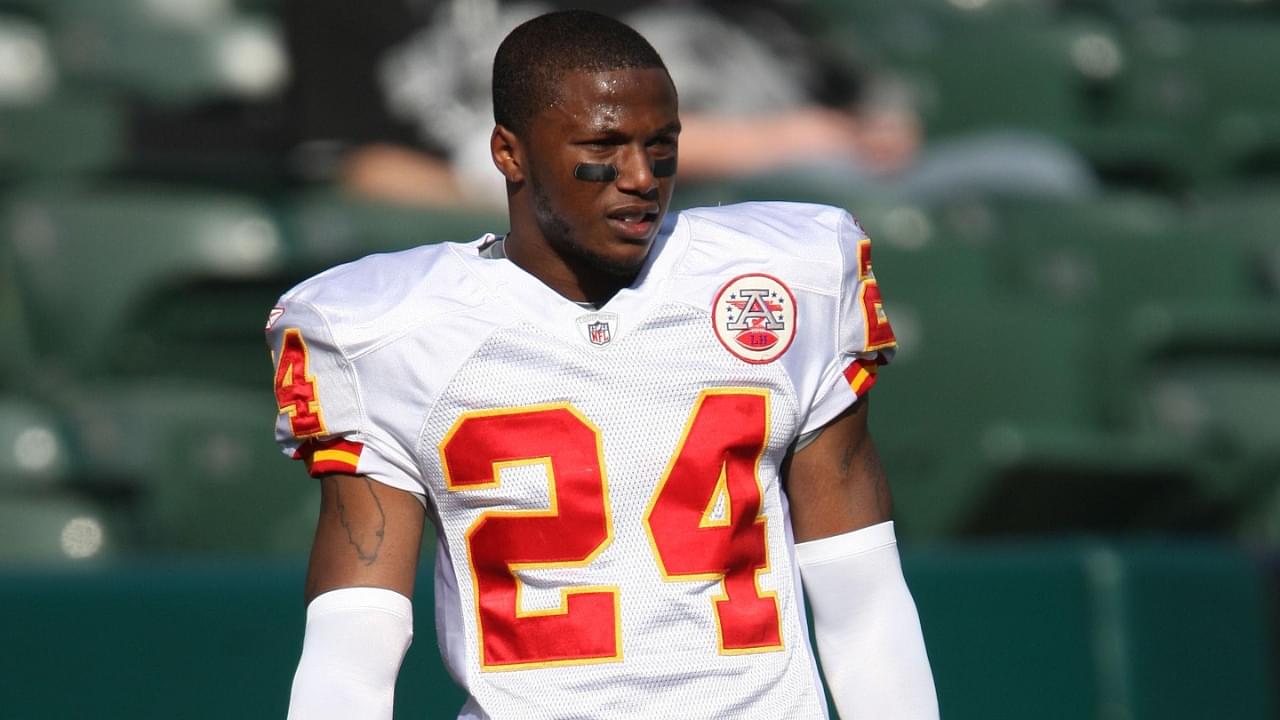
{"points": [[624, 118]]}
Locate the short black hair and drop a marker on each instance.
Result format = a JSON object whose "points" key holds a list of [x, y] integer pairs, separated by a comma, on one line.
{"points": [[534, 57]]}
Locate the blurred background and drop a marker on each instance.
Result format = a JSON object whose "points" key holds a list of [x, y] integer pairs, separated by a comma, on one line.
{"points": [[1076, 213]]}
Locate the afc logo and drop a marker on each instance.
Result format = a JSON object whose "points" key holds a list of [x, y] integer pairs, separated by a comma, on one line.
{"points": [[755, 317], [758, 309]]}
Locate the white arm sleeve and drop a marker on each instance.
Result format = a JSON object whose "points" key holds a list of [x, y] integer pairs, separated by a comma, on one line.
{"points": [[868, 632], [351, 653]]}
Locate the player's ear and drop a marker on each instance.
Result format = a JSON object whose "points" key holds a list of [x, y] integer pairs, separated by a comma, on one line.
{"points": [[508, 153]]}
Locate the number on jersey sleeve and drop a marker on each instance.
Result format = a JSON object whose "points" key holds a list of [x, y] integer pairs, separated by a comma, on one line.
{"points": [[570, 533], [879, 332], [296, 388], [704, 520]]}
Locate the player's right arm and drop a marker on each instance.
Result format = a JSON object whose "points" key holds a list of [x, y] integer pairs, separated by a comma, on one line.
{"points": [[368, 535], [339, 415], [359, 586]]}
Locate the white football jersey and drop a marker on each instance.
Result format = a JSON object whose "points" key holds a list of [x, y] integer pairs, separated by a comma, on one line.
{"points": [[614, 541]]}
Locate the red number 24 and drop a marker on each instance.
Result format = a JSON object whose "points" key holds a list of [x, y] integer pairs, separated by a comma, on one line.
{"points": [[703, 522]]}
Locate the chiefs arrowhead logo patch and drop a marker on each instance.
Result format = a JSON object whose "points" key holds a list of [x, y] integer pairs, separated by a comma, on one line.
{"points": [[754, 317]]}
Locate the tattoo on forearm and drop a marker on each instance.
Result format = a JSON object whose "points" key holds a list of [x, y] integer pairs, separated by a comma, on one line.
{"points": [[365, 537], [846, 460], [871, 469], [874, 470]]}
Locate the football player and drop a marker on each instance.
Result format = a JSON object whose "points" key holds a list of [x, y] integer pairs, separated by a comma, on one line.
{"points": [[637, 436]]}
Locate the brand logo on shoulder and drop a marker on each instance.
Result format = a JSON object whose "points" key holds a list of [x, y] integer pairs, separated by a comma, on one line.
{"points": [[598, 328], [754, 317], [273, 316]]}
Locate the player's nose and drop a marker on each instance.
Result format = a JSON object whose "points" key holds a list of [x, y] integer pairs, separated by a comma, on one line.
{"points": [[635, 172]]}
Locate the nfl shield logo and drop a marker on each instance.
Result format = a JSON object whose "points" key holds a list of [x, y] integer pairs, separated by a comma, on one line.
{"points": [[598, 333], [597, 328]]}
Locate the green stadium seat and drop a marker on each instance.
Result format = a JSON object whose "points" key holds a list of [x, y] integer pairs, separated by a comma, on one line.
{"points": [[1109, 258], [1139, 10], [65, 134], [910, 21], [15, 351], [989, 424], [1193, 101], [1241, 111], [30, 74], [1229, 403], [1242, 220], [1142, 124], [1022, 70], [54, 527], [328, 227], [1111, 253], [780, 186], [91, 265], [1155, 335], [215, 325], [1208, 377], [34, 449], [976, 80], [208, 476], [171, 53]]}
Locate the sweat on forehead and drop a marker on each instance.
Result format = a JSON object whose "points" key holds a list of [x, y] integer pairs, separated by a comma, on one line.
{"points": [[536, 57]]}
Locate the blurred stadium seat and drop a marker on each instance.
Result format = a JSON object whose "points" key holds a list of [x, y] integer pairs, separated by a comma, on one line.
{"points": [[35, 452], [1188, 106], [15, 351], [202, 464], [329, 227], [1183, 9], [1209, 377], [977, 79], [92, 264], [28, 73], [56, 527], [1242, 219], [166, 52], [66, 134], [1104, 254], [46, 129], [900, 21], [1012, 439]]}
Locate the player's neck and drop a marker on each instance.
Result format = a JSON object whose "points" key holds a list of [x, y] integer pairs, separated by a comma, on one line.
{"points": [[496, 250], [575, 280]]}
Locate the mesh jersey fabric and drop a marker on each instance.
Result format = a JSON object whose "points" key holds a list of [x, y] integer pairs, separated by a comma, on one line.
{"points": [[591, 563]]}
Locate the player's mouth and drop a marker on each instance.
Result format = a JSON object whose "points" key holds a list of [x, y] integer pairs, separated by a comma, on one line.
{"points": [[634, 222]]}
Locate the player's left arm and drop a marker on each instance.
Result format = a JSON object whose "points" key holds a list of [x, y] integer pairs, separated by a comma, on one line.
{"points": [[865, 621]]}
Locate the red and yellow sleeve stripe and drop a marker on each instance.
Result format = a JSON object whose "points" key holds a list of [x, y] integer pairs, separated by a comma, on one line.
{"points": [[861, 375], [329, 456]]}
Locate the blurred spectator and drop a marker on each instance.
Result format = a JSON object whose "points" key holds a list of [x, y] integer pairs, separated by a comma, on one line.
{"points": [[392, 101]]}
